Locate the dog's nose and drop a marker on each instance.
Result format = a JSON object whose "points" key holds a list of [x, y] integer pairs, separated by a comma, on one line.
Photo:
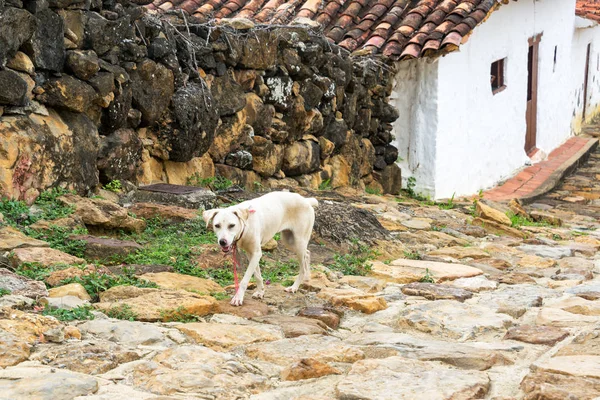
{"points": [[223, 242]]}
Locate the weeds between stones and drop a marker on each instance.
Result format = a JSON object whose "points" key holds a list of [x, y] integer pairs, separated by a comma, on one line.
{"points": [[77, 313], [4, 292], [47, 207], [178, 315], [123, 312]]}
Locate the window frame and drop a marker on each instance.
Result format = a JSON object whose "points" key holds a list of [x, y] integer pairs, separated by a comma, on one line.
{"points": [[498, 69]]}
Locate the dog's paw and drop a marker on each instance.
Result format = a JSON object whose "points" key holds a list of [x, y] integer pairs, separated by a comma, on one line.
{"points": [[291, 289], [258, 295], [237, 300]]}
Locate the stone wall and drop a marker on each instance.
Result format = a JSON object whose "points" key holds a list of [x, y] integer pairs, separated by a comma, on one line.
{"points": [[94, 91]]}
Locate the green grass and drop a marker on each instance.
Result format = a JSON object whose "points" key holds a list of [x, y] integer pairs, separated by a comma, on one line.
{"points": [[58, 238], [77, 313], [213, 183], [34, 271], [449, 205], [518, 220], [373, 191], [427, 278], [325, 185], [412, 255], [4, 292], [169, 244], [46, 206], [96, 283], [178, 315], [279, 271], [113, 186], [355, 262], [122, 311]]}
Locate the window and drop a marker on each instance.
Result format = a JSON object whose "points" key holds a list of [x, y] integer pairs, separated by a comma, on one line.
{"points": [[497, 76]]}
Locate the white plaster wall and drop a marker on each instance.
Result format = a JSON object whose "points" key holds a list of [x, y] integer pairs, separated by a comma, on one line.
{"points": [[415, 96], [587, 32], [481, 136]]}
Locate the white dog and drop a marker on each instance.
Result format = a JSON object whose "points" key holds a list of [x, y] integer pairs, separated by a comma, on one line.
{"points": [[251, 224]]}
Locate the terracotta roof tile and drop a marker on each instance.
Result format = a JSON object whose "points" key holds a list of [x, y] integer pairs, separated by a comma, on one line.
{"points": [[395, 28], [589, 9]]}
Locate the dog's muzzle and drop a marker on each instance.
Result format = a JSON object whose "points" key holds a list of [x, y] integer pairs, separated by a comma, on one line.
{"points": [[227, 248]]}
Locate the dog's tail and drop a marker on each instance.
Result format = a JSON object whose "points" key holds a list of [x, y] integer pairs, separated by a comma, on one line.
{"points": [[313, 202]]}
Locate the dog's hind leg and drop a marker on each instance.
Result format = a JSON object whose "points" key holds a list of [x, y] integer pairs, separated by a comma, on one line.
{"points": [[259, 293], [304, 261]]}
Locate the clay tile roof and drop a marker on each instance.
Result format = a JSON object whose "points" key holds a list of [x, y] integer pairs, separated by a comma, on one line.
{"points": [[589, 9], [398, 29]]}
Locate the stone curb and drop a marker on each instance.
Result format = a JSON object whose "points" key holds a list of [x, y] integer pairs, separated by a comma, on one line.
{"points": [[564, 169]]}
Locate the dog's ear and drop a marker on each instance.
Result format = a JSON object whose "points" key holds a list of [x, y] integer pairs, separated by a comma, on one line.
{"points": [[244, 213], [209, 215]]}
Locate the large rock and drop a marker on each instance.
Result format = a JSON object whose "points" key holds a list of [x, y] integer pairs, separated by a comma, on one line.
{"points": [[151, 304], [175, 281], [101, 35], [460, 252], [45, 383], [546, 251], [515, 300], [354, 299], [103, 249], [127, 333], [325, 315], [252, 308], [11, 238], [390, 179], [301, 158], [72, 289], [230, 135], [486, 212], [259, 50], [103, 214], [84, 64], [432, 291], [547, 335], [68, 93], [167, 213], [115, 115], [479, 356], [27, 327], [16, 27], [43, 256], [39, 152], [14, 90], [119, 155], [308, 368], [12, 350], [451, 319], [564, 377], [294, 326], [550, 316], [400, 378], [192, 198], [21, 62], [195, 122], [191, 371], [87, 357], [153, 87], [222, 337], [319, 347], [20, 285], [589, 291], [228, 94], [46, 47], [407, 271]]}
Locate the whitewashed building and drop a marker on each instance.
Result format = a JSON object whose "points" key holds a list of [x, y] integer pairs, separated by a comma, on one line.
{"points": [[513, 90]]}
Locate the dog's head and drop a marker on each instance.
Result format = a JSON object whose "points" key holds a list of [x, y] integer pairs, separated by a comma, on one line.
{"points": [[228, 224]]}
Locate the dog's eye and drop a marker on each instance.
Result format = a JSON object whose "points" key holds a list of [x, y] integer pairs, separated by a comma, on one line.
{"points": [[217, 226], [231, 226]]}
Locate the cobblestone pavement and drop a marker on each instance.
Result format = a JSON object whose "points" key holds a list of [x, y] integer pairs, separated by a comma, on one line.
{"points": [[463, 301]]}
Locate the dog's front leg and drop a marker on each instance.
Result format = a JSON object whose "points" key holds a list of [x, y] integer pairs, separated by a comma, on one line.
{"points": [[254, 257], [259, 293]]}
